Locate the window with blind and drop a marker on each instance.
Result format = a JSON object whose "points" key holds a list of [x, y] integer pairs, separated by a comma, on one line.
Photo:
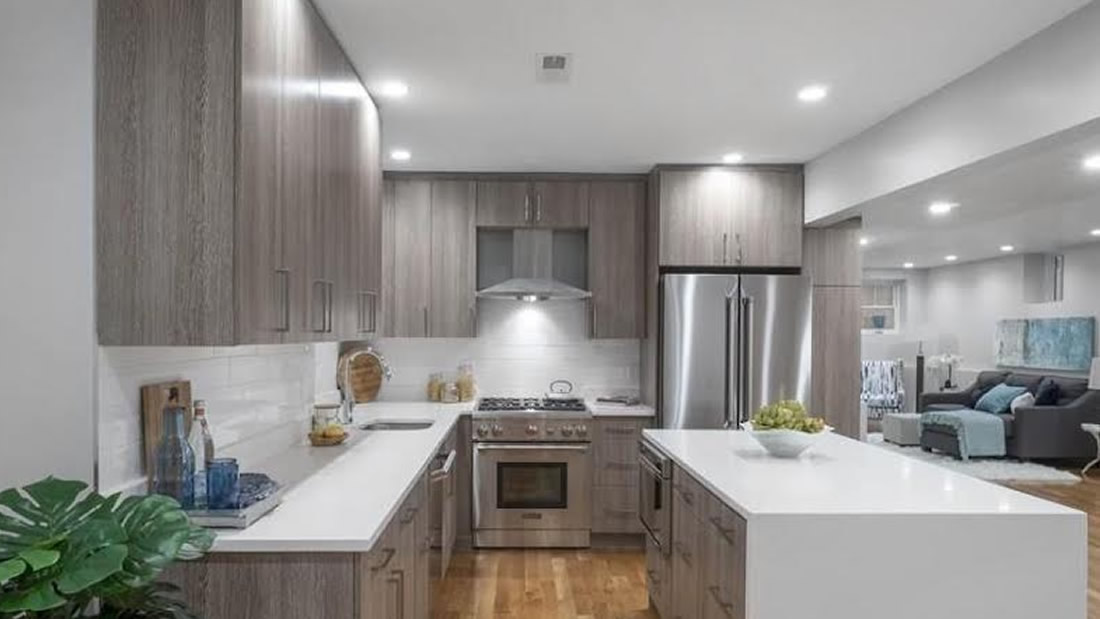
{"points": [[882, 305]]}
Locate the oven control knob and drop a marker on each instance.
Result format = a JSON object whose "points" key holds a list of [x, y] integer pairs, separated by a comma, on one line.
{"points": [[582, 430], [532, 429], [498, 430], [482, 430], [567, 430], [549, 429]]}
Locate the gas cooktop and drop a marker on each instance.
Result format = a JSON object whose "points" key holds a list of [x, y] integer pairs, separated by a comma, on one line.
{"points": [[532, 405]]}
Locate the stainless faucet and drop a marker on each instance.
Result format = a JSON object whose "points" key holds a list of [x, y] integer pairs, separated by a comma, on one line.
{"points": [[347, 394]]}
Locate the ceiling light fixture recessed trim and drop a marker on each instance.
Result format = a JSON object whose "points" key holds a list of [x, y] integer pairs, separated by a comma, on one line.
{"points": [[393, 89], [732, 158], [1091, 163], [813, 93], [864, 241], [400, 154], [1007, 248], [941, 207], [951, 257], [908, 265], [1095, 232]]}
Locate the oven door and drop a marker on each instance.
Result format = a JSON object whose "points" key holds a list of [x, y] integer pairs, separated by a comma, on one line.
{"points": [[654, 498], [532, 486]]}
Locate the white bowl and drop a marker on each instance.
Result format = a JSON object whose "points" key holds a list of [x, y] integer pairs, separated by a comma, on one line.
{"points": [[784, 443]]}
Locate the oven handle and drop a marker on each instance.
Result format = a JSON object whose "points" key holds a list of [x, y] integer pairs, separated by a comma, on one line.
{"points": [[531, 447]]}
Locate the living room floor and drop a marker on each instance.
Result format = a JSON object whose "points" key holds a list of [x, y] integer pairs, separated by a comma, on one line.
{"points": [[1084, 496]]}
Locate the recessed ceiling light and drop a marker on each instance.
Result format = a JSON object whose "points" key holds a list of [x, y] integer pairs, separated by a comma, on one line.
{"points": [[941, 208], [732, 158], [1095, 232], [813, 93], [393, 89], [864, 241], [1007, 248], [908, 265], [400, 154], [1091, 163], [951, 258]]}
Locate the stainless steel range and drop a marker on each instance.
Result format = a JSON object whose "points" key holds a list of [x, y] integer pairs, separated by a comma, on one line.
{"points": [[532, 473]]}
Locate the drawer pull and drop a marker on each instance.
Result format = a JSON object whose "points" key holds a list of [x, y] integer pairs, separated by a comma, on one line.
{"points": [[729, 534], [389, 552], [687, 495], [726, 607], [684, 554], [409, 515]]}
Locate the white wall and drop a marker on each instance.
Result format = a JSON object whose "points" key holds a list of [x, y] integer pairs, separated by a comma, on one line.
{"points": [[259, 400], [961, 306], [1046, 84], [46, 241], [520, 348]]}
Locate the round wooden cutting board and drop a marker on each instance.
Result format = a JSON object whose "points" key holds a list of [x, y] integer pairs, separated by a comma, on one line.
{"points": [[366, 373]]}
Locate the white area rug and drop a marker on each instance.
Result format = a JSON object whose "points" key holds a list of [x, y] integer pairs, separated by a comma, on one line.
{"points": [[989, 469]]}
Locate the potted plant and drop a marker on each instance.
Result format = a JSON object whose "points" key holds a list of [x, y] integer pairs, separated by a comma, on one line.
{"points": [[67, 551]]}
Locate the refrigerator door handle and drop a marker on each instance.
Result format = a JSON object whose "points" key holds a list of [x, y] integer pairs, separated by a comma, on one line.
{"points": [[748, 357], [731, 410]]}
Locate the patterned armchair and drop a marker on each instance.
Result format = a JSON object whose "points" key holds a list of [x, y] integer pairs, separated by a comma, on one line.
{"points": [[883, 389]]}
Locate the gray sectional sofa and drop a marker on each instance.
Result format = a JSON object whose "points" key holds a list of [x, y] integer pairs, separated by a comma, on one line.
{"points": [[1051, 431]]}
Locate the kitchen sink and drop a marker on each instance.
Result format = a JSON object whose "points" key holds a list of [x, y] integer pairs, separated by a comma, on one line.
{"points": [[398, 424]]}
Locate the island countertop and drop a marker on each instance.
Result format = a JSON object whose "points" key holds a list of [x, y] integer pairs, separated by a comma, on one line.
{"points": [[837, 475], [340, 498]]}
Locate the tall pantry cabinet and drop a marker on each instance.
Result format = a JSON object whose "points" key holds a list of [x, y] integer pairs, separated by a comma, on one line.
{"points": [[238, 190]]}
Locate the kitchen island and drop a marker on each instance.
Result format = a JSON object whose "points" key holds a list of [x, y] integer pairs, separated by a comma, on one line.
{"points": [[853, 531], [352, 537]]}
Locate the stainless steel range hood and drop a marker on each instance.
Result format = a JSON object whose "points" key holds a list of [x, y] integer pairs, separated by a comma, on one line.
{"points": [[533, 271]]}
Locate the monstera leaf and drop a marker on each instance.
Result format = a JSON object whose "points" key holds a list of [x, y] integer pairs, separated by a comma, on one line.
{"points": [[57, 541], [62, 546]]}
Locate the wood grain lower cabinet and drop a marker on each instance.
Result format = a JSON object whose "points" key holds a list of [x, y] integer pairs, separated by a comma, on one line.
{"points": [[658, 578], [723, 572], [686, 559], [225, 180], [836, 357], [615, 474], [616, 258]]}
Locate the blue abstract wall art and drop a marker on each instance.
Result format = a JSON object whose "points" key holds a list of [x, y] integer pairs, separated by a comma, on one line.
{"points": [[1064, 344]]}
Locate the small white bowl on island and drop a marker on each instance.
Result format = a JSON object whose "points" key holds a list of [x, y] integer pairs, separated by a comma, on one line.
{"points": [[784, 443]]}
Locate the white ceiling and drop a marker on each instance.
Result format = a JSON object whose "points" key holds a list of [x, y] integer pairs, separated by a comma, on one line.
{"points": [[659, 80], [1036, 198]]}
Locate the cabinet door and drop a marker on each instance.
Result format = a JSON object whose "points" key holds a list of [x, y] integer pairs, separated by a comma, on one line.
{"points": [[616, 258], [263, 284], [835, 366], [298, 128], [723, 567], [686, 560], [331, 233], [559, 204], [453, 259], [658, 578], [503, 204], [766, 222], [694, 216], [368, 243], [408, 294]]}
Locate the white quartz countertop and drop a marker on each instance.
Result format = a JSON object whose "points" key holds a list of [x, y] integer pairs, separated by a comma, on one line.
{"points": [[610, 409], [341, 498], [837, 475]]}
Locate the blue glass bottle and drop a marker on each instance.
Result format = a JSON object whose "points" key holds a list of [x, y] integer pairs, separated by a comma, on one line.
{"points": [[175, 460]]}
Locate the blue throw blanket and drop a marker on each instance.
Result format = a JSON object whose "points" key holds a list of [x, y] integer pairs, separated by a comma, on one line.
{"points": [[980, 434]]}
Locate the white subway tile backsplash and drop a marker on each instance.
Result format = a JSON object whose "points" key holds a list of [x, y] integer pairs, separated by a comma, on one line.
{"points": [[259, 398]]}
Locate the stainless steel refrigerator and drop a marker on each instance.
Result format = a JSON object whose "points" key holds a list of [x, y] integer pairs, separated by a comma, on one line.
{"points": [[730, 344]]}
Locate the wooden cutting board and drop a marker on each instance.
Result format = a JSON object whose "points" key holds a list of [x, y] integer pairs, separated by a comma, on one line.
{"points": [[366, 374], [153, 400]]}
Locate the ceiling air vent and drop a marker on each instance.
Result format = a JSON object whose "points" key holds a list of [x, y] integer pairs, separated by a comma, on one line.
{"points": [[553, 68]]}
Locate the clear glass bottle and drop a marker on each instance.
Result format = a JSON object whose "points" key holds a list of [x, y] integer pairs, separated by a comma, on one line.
{"points": [[175, 460], [202, 445]]}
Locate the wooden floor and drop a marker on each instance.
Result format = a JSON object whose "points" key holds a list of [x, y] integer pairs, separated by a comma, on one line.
{"points": [[1084, 496], [544, 584]]}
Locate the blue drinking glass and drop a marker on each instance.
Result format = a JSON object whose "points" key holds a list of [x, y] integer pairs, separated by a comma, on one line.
{"points": [[223, 483]]}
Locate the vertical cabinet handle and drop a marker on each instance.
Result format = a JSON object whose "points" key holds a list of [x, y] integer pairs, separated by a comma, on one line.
{"points": [[740, 250], [426, 334], [368, 311], [538, 207], [318, 288], [725, 247], [397, 578], [331, 312], [284, 300], [527, 208]]}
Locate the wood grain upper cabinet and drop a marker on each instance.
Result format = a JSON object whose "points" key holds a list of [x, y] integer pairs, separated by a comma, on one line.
{"points": [[539, 204], [223, 192], [616, 258], [729, 216], [367, 243], [408, 213], [559, 204], [452, 311], [503, 204]]}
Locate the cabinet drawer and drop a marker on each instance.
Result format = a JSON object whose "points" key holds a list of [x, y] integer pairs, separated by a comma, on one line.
{"points": [[724, 560], [616, 458], [688, 493], [615, 509]]}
